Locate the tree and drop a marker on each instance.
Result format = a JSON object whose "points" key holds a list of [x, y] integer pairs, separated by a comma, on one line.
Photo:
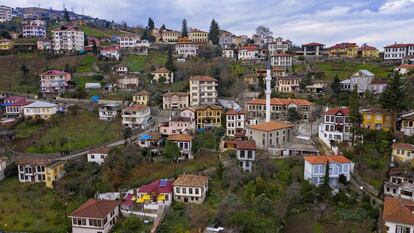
{"points": [[169, 64], [131, 224], [263, 32], [94, 47], [127, 133], [184, 28], [263, 205], [336, 85], [151, 25], [5, 35], [66, 15], [171, 151], [79, 93], [214, 33], [163, 27], [220, 171], [74, 109], [395, 97], [293, 115], [145, 34], [11, 170], [24, 70], [305, 82], [355, 116], [114, 168]]}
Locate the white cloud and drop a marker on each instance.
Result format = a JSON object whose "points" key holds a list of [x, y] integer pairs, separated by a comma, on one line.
{"points": [[395, 5]]}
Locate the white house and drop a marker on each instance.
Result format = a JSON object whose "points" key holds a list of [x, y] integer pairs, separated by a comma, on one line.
{"points": [[404, 69], [184, 143], [335, 126], [228, 53], [98, 155], [39, 109], [398, 51], [246, 154], [190, 188], [314, 170], [407, 124], [120, 69], [398, 215], [282, 60], [111, 52], [361, 80], [95, 216], [32, 170], [186, 48], [35, 28], [14, 104], [164, 73], [108, 112], [136, 116], [128, 41], [248, 52], [235, 122], [399, 184], [279, 46], [3, 164]]}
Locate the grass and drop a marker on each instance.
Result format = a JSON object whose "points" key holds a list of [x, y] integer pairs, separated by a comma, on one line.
{"points": [[344, 69], [32, 207], [71, 133], [98, 32], [86, 64], [26, 129], [137, 63], [81, 81]]}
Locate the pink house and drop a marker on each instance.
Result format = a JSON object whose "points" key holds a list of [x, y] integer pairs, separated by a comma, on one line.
{"points": [[177, 125], [54, 82], [13, 105]]}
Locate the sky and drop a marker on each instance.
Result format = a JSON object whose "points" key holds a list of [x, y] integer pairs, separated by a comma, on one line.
{"points": [[376, 22]]}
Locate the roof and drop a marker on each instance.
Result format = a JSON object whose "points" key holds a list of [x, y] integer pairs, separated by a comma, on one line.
{"points": [[344, 45], [249, 48], [281, 55], [246, 145], [142, 93], [99, 150], [169, 94], [375, 110], [408, 116], [313, 44], [161, 70], [180, 119], [54, 72], [180, 137], [367, 47], [119, 65], [202, 78], [323, 159], [333, 111], [135, 107], [405, 146], [95, 209], [204, 107], [398, 210], [279, 101], [406, 66], [364, 72], [398, 45], [152, 136], [270, 126], [234, 112], [41, 104], [379, 81], [191, 180], [157, 187], [33, 161]]}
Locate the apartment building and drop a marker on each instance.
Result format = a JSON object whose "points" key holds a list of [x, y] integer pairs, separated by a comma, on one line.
{"points": [[5, 13], [136, 116], [335, 125], [278, 45], [54, 82], [398, 51], [175, 100], [35, 28], [196, 35], [67, 39], [282, 60], [203, 90], [185, 48]]}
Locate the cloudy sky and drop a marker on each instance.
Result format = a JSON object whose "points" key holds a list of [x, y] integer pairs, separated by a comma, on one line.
{"points": [[376, 22]]}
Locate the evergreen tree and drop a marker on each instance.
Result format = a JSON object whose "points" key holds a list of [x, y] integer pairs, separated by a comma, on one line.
{"points": [[145, 34], [151, 25], [184, 28], [395, 97], [214, 33], [169, 64], [94, 47], [336, 85], [163, 27], [171, 151], [66, 15], [354, 116]]}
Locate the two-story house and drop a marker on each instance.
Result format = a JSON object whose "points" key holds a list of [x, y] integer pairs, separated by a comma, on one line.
{"points": [[141, 98], [368, 52], [207, 116], [196, 35], [95, 216], [111, 52], [398, 215], [159, 192], [248, 52], [407, 124], [398, 51], [39, 110], [335, 126], [175, 100], [54, 82], [315, 169], [32, 170], [120, 69], [278, 45], [98, 155], [184, 143], [269, 135], [377, 118], [399, 184], [136, 116], [128, 81], [190, 188], [346, 50], [108, 112], [185, 48], [53, 172], [246, 154], [177, 125], [359, 80], [203, 90], [163, 74], [282, 60], [235, 122], [13, 106], [288, 84], [402, 152]]}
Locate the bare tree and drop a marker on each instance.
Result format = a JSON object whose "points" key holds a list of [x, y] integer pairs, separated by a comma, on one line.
{"points": [[263, 32]]}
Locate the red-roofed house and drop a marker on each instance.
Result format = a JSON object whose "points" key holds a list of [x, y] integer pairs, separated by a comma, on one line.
{"points": [[235, 122], [312, 49], [136, 116], [404, 69], [160, 191], [366, 51], [335, 125], [246, 154], [95, 216], [314, 169], [111, 52], [398, 215], [13, 106], [248, 52], [349, 50], [402, 152], [54, 82], [281, 60], [398, 51]]}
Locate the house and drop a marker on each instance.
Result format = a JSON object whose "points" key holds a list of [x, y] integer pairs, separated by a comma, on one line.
{"points": [[141, 98], [136, 116], [399, 184], [120, 69], [39, 110], [35, 170], [407, 124], [111, 52], [279, 108], [248, 52], [54, 82], [366, 51], [203, 90], [228, 53], [339, 165], [95, 216], [198, 36], [345, 50], [98, 155], [207, 116], [288, 84], [67, 39], [377, 86], [35, 28], [13, 106], [235, 122], [108, 112], [360, 80], [398, 51], [398, 215], [315, 88], [175, 101], [268, 135], [246, 154], [282, 60], [53, 172], [312, 49], [184, 143], [44, 44], [404, 69], [128, 81], [177, 125], [6, 44], [185, 48], [402, 152], [150, 140], [335, 126], [377, 118], [6, 13], [190, 188], [279, 46], [225, 39], [128, 41], [170, 35], [3, 164], [159, 192], [164, 74]]}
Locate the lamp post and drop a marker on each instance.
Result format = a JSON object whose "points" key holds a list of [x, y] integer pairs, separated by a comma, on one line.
{"points": [[361, 188], [66, 216]]}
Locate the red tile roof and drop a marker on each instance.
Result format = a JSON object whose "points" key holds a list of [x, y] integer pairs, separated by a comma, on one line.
{"points": [[398, 211], [398, 45], [100, 150], [202, 78], [270, 126], [406, 66], [157, 187], [344, 45], [161, 70], [54, 72], [189, 180], [249, 48], [334, 111], [404, 146], [367, 47], [142, 93], [323, 159], [313, 44], [95, 209], [246, 145], [135, 108], [278, 101], [180, 137], [169, 94], [234, 112]]}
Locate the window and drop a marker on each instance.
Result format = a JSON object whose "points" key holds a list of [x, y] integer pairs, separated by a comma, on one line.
{"points": [[402, 229], [177, 189]]}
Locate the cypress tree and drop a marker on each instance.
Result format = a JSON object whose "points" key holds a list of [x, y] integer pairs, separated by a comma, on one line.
{"points": [[184, 28], [214, 32]]}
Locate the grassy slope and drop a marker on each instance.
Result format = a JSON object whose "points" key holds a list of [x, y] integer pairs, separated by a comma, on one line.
{"points": [[86, 64], [345, 68], [144, 63], [32, 207]]}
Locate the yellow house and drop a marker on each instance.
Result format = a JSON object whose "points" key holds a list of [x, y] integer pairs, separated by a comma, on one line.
{"points": [[402, 152], [366, 51], [54, 172], [141, 98], [349, 50], [208, 116], [377, 119], [6, 44]]}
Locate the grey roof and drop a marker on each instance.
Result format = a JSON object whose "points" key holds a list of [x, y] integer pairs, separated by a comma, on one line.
{"points": [[366, 72], [40, 104]]}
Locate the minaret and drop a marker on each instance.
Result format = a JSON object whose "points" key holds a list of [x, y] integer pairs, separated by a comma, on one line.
{"points": [[268, 90]]}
